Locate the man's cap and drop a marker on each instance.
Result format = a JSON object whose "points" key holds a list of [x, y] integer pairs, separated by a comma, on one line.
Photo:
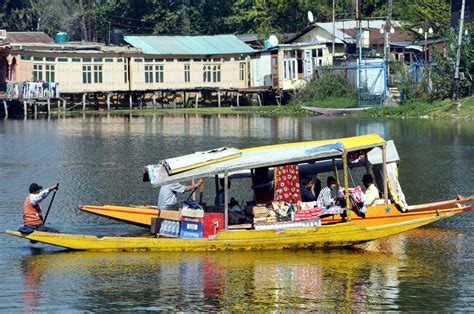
{"points": [[35, 187], [367, 178]]}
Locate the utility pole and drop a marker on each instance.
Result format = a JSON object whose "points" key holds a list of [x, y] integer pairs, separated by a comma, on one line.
{"points": [[388, 24], [359, 65], [458, 55], [333, 29]]}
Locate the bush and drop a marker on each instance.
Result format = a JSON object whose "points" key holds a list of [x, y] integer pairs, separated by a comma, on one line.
{"points": [[327, 86]]}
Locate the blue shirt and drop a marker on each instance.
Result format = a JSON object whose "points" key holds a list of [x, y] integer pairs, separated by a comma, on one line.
{"points": [[306, 195], [167, 199]]}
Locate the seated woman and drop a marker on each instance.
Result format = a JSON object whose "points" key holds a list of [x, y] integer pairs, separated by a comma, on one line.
{"points": [[325, 199]]}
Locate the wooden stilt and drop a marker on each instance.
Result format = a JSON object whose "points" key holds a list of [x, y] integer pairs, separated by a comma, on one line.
{"points": [[83, 102], [219, 98], [259, 100], [49, 106], [162, 100], [154, 100], [185, 101], [108, 101], [25, 109], [64, 104], [238, 99], [35, 109], [5, 107], [130, 100], [197, 100], [174, 99]]}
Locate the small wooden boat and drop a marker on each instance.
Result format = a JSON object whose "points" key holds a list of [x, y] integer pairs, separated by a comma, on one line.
{"points": [[334, 111], [315, 156]]}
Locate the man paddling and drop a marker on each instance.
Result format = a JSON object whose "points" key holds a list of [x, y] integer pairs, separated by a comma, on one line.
{"points": [[32, 217]]}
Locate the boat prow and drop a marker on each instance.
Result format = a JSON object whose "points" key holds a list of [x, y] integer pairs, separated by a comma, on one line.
{"points": [[333, 235]]}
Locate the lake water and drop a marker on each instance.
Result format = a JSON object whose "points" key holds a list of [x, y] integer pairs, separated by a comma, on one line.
{"points": [[100, 159]]}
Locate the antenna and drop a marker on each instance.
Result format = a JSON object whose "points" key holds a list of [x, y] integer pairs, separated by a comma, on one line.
{"points": [[310, 17], [273, 40]]}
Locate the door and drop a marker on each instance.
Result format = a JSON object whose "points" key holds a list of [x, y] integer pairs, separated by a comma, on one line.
{"points": [[274, 69], [308, 65]]}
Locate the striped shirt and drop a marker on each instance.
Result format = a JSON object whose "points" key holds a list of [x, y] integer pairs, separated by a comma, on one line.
{"points": [[324, 198]]}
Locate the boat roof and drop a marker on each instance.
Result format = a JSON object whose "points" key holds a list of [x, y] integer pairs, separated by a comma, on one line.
{"points": [[268, 156]]}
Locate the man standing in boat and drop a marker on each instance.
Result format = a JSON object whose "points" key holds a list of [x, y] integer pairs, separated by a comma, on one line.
{"points": [[32, 216], [168, 199]]}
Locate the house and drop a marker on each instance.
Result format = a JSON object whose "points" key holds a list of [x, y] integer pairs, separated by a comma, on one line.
{"points": [[189, 62]]}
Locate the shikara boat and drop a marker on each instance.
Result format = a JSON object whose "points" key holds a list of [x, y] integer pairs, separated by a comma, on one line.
{"points": [[393, 217]]}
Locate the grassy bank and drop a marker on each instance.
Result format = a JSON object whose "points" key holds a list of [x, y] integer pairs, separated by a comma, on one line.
{"points": [[440, 109], [263, 110]]}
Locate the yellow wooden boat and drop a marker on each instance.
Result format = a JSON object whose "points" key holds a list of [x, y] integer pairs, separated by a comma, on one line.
{"points": [[379, 221]]}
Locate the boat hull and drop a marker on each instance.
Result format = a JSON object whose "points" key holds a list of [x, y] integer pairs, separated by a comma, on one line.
{"points": [[335, 235], [375, 216]]}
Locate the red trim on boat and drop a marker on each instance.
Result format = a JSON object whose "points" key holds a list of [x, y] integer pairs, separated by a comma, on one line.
{"points": [[85, 208]]}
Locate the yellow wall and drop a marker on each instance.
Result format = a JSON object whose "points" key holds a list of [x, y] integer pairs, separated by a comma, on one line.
{"points": [[69, 74]]}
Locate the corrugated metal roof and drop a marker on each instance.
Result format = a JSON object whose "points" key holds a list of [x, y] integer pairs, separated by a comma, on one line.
{"points": [[189, 45], [28, 37]]}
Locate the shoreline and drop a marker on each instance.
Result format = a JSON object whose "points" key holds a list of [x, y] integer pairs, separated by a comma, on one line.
{"points": [[437, 110]]}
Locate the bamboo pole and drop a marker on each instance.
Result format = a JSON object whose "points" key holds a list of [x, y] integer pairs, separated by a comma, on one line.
{"points": [[384, 173], [336, 172], [226, 200], [346, 184], [5, 107]]}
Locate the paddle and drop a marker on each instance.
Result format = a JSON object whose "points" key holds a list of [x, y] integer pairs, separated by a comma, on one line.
{"points": [[51, 203]]}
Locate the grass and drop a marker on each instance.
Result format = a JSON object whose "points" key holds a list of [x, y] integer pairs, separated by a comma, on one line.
{"points": [[439, 109], [341, 102]]}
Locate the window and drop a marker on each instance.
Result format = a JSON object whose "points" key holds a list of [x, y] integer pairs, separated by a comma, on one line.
{"points": [[148, 60], [62, 59], [37, 72], [187, 73], [109, 60], [290, 69], [138, 60], [25, 58], [159, 73], [97, 73], [86, 59], [197, 60], [49, 73], [148, 74], [125, 71], [97, 59], [226, 59], [169, 60], [320, 53], [50, 59], [76, 59], [87, 74], [206, 74], [242, 71], [216, 73], [184, 60], [38, 58]]}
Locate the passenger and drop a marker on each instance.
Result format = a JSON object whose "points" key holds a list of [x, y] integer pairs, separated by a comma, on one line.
{"points": [[316, 187], [307, 190], [262, 186], [167, 199], [372, 193], [32, 217], [220, 197], [324, 198]]}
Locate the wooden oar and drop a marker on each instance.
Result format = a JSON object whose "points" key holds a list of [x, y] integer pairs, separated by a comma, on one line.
{"points": [[51, 203]]}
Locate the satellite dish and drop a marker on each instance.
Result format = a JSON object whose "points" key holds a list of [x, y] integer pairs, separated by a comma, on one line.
{"points": [[273, 40], [310, 17]]}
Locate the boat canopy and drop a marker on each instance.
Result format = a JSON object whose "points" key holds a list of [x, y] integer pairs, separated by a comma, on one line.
{"points": [[265, 156]]}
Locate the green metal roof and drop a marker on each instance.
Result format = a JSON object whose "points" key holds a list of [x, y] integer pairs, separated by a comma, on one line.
{"points": [[189, 45]]}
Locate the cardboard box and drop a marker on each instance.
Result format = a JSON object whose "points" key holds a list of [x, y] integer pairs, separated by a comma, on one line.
{"points": [[196, 220], [190, 234], [259, 210], [192, 213], [169, 214], [191, 226]]}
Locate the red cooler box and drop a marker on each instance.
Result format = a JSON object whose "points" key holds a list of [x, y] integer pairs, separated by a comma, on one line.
{"points": [[213, 223]]}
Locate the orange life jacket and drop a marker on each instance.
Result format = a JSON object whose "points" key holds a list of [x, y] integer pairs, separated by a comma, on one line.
{"points": [[31, 214]]}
